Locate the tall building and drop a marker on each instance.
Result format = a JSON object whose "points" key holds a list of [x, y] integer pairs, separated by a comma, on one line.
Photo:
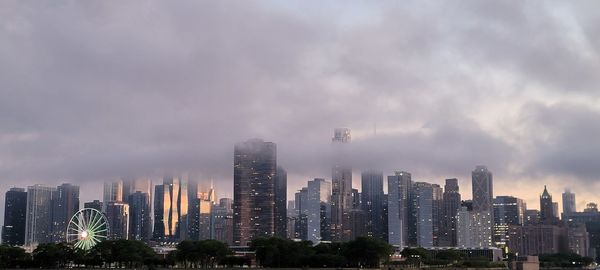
{"points": [[38, 224], [113, 192], [280, 203], [254, 172], [117, 216], [421, 228], [473, 229], [437, 215], [547, 212], [65, 203], [341, 190], [507, 211], [140, 223], [301, 224], [15, 209], [372, 203], [399, 186], [222, 221], [568, 200], [170, 209], [483, 201], [318, 210], [95, 204], [532, 216], [451, 203]]}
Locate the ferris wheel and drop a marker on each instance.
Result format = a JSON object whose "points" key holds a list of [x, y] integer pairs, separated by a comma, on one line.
{"points": [[87, 228]]}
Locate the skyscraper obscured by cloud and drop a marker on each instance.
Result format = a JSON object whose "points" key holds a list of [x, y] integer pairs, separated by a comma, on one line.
{"points": [[170, 209], [568, 200], [372, 203], [341, 189], [254, 173]]}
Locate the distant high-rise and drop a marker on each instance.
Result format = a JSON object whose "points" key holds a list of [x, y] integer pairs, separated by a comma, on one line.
{"points": [[437, 215], [301, 224], [483, 203], [372, 203], [341, 189], [170, 209], [318, 209], [568, 200], [222, 221], [547, 215], [95, 204], [483, 192], [38, 227], [140, 223], [15, 209], [421, 200], [473, 229], [280, 203], [113, 192], [117, 216], [65, 203], [399, 186], [508, 211], [254, 173], [451, 203]]}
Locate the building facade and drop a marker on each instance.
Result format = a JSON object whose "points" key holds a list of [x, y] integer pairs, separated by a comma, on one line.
{"points": [[15, 210]]}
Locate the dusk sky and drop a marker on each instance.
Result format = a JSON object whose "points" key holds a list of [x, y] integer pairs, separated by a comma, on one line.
{"points": [[95, 90]]}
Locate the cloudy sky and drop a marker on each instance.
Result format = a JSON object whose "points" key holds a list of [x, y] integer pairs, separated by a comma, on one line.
{"points": [[94, 90]]}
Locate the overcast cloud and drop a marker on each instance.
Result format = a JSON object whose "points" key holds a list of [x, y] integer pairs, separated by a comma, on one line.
{"points": [[94, 90]]}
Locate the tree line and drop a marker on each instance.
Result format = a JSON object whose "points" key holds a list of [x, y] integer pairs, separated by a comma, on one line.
{"points": [[269, 252]]}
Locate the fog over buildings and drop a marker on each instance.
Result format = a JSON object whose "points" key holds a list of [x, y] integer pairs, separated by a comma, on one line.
{"points": [[92, 91]]}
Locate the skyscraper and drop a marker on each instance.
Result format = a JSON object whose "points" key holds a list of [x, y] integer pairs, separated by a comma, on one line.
{"points": [[421, 232], [437, 215], [301, 224], [568, 200], [170, 209], [280, 203], [222, 221], [140, 223], [318, 209], [65, 203], [547, 211], [451, 202], [113, 192], [483, 202], [95, 204], [399, 186], [507, 211], [15, 209], [117, 216], [254, 172], [372, 203], [341, 190], [38, 227]]}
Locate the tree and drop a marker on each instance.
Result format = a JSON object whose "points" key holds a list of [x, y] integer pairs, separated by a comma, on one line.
{"points": [[52, 255], [366, 252], [13, 257]]}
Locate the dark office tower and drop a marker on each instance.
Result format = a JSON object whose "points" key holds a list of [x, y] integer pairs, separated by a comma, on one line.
{"points": [[38, 224], [483, 192], [117, 216], [170, 209], [302, 213], [65, 203], [532, 217], [420, 227], [280, 203], [483, 200], [341, 189], [193, 218], [451, 204], [95, 204], [356, 197], [140, 224], [547, 208], [221, 228], [399, 186], [437, 213], [508, 211], [372, 203], [568, 199], [254, 172], [15, 209]]}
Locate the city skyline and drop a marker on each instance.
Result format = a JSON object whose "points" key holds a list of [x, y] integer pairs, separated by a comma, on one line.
{"points": [[433, 89]]}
